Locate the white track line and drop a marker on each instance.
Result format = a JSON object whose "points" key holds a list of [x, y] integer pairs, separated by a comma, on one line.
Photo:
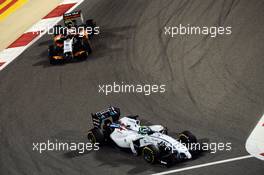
{"points": [[204, 165]]}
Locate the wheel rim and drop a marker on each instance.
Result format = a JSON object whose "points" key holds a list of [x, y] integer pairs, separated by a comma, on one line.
{"points": [[184, 138], [148, 156]]}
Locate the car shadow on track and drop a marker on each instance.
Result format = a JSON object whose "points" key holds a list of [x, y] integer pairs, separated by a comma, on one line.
{"points": [[114, 157], [72, 136], [117, 158], [77, 153], [107, 155], [45, 62]]}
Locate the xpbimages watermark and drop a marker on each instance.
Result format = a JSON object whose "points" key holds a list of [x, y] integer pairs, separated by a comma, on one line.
{"points": [[81, 30], [146, 89], [49, 145], [210, 147], [212, 31]]}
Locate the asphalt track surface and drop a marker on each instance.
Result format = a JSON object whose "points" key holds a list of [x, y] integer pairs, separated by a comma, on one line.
{"points": [[214, 87]]}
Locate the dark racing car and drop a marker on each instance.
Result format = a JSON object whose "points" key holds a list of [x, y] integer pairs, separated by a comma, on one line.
{"points": [[72, 42]]}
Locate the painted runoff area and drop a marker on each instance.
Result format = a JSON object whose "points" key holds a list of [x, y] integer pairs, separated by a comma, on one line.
{"points": [[9, 6], [36, 31]]}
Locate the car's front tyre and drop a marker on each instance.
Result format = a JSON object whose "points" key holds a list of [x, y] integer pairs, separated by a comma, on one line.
{"points": [[187, 137], [150, 154]]}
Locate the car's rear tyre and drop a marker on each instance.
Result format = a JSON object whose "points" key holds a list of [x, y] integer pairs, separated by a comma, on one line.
{"points": [[90, 23], [91, 137], [187, 137], [150, 154], [96, 136], [51, 50], [107, 129]]}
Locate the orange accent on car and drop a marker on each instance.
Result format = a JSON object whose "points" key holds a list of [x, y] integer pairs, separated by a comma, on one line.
{"points": [[57, 57], [57, 37], [79, 53]]}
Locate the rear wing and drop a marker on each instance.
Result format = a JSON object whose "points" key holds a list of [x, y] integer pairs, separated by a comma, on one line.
{"points": [[73, 15], [111, 113]]}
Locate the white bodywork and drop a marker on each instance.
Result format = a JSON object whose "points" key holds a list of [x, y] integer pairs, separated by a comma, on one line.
{"points": [[129, 132], [67, 46]]}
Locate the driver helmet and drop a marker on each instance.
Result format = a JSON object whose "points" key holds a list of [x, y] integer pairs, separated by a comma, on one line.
{"points": [[144, 130], [69, 23]]}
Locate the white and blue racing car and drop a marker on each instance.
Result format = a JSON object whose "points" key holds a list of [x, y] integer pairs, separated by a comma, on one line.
{"points": [[153, 142]]}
